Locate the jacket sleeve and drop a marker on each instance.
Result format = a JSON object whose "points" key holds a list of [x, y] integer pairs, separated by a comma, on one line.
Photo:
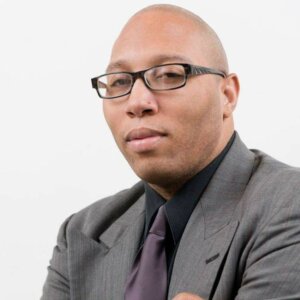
{"points": [[273, 265], [57, 281]]}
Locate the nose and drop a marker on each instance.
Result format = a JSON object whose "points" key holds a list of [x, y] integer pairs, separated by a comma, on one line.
{"points": [[141, 101]]}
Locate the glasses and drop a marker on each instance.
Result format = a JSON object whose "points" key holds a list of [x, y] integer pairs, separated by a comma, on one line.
{"points": [[159, 78]]}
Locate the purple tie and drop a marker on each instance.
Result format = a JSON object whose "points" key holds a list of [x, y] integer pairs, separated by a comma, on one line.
{"points": [[148, 278]]}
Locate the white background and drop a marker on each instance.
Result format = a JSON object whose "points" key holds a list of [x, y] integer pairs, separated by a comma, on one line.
{"points": [[56, 153]]}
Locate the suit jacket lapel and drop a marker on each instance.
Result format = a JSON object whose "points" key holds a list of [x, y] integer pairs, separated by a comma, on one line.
{"points": [[212, 226], [101, 268]]}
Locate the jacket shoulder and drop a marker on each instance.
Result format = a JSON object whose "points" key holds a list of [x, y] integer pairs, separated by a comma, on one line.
{"points": [[98, 216], [272, 187], [272, 172]]}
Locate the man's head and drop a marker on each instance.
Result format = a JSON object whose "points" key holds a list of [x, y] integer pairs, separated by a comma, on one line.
{"points": [[169, 136]]}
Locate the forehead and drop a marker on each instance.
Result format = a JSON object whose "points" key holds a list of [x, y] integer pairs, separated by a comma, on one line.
{"points": [[157, 37]]}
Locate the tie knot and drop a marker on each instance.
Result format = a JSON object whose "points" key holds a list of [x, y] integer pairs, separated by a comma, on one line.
{"points": [[159, 226]]}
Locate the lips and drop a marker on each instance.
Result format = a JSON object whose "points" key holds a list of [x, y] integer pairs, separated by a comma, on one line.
{"points": [[142, 133], [144, 139]]}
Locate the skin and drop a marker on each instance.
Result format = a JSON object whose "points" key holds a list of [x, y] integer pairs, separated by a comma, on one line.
{"points": [[196, 119], [194, 122], [187, 296]]}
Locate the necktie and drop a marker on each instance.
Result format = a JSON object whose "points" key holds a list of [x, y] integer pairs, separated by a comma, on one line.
{"points": [[148, 278]]}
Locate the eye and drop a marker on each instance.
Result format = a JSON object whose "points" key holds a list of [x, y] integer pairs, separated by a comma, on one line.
{"points": [[168, 75], [120, 82]]}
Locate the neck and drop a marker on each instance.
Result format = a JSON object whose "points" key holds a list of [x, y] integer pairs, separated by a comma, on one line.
{"points": [[169, 189], [167, 192]]}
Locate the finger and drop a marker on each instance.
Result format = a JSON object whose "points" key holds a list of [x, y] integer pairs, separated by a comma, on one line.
{"points": [[187, 296]]}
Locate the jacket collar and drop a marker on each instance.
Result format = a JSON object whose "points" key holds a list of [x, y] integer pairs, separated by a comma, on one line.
{"points": [[212, 225]]}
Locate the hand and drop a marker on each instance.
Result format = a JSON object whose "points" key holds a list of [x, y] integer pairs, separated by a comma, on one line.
{"points": [[187, 296]]}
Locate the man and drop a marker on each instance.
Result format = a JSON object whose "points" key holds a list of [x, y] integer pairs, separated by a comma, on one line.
{"points": [[231, 216]]}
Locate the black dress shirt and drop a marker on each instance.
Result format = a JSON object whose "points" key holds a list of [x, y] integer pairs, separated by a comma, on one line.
{"points": [[180, 207]]}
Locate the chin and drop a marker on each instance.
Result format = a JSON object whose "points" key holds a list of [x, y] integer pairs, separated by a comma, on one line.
{"points": [[152, 173], [158, 174]]}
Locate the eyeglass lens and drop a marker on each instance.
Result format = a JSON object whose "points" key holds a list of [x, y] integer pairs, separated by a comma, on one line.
{"points": [[157, 78]]}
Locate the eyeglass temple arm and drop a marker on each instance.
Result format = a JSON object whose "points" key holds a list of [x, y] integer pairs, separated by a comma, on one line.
{"points": [[95, 83], [195, 70]]}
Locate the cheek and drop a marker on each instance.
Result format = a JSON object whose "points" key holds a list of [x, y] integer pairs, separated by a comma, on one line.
{"points": [[198, 122], [112, 117], [201, 110], [108, 112]]}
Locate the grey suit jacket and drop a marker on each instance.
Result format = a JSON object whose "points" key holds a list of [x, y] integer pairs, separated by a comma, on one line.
{"points": [[242, 240]]}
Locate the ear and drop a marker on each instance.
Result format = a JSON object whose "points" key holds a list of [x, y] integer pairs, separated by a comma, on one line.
{"points": [[231, 88]]}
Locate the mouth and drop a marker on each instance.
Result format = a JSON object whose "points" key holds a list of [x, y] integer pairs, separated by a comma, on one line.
{"points": [[144, 139]]}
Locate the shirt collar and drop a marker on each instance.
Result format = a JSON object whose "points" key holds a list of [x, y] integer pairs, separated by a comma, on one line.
{"points": [[180, 207]]}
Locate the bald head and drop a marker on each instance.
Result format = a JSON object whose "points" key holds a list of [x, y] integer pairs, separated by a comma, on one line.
{"points": [[156, 18]]}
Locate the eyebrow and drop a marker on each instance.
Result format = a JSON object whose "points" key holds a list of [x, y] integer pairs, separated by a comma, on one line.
{"points": [[156, 60]]}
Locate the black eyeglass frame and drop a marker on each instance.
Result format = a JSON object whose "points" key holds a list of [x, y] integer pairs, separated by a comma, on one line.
{"points": [[190, 70]]}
